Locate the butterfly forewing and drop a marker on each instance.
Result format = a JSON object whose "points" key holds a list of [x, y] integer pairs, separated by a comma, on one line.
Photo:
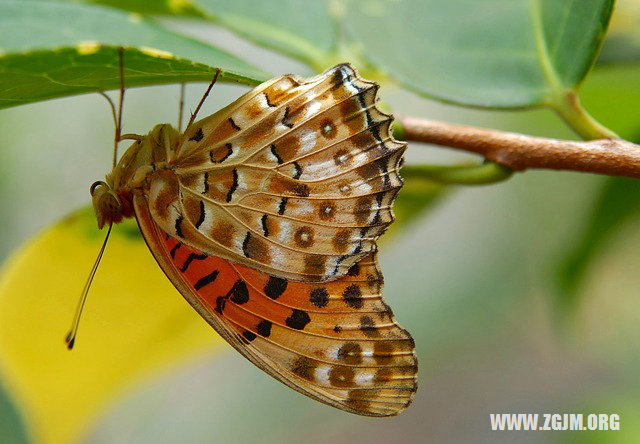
{"points": [[296, 178], [336, 341]]}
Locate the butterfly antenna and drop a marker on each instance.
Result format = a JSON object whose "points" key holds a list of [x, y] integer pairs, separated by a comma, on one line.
{"points": [[181, 110], [73, 332], [206, 93]]}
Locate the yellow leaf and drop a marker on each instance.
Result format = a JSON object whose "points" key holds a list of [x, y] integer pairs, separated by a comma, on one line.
{"points": [[135, 323]]}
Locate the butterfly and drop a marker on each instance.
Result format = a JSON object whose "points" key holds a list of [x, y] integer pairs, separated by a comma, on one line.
{"points": [[265, 217]]}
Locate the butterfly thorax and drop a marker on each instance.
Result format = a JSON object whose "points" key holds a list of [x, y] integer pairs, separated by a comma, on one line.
{"points": [[113, 199]]}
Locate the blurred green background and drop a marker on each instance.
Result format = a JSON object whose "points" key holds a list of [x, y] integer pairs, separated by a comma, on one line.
{"points": [[487, 279]]}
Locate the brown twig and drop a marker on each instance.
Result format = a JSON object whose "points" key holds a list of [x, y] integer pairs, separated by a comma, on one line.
{"points": [[614, 157]]}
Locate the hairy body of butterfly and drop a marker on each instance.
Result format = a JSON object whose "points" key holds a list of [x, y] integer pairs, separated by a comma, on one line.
{"points": [[265, 216]]}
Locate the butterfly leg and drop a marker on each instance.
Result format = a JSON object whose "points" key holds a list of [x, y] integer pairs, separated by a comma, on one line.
{"points": [[117, 137], [117, 115]]}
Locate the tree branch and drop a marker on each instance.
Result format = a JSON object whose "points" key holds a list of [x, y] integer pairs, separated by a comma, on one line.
{"points": [[614, 157]]}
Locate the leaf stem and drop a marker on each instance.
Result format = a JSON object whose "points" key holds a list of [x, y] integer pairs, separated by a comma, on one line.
{"points": [[570, 109], [482, 174]]}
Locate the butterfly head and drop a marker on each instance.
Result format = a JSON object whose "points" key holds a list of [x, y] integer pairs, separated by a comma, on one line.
{"points": [[106, 203]]}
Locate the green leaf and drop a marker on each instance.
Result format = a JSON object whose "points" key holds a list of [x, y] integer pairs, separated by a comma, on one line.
{"points": [[305, 32], [184, 8], [494, 53], [50, 50], [12, 429]]}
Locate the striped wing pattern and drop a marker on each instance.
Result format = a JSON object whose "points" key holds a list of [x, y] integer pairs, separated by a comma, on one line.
{"points": [[336, 342], [295, 179]]}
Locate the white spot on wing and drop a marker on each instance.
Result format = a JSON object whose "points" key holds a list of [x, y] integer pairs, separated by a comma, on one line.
{"points": [[241, 183], [322, 374], [262, 101], [307, 141], [333, 353], [203, 184], [285, 231], [304, 207], [364, 188], [364, 378], [312, 108], [239, 119], [278, 259], [348, 84]]}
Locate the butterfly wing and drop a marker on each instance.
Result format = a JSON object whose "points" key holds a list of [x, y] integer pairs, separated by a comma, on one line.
{"points": [[296, 178], [336, 342]]}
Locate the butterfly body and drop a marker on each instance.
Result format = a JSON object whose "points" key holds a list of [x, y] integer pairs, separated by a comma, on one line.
{"points": [[265, 216]]}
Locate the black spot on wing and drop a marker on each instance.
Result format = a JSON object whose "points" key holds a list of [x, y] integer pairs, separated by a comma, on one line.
{"points": [[298, 319], [178, 226], [264, 328], [197, 137], [338, 78], [354, 270], [319, 297], [367, 114], [229, 152], [282, 206], [206, 183], [239, 293], [234, 185], [285, 119], [206, 280], [298, 172], [352, 295], [220, 303], [248, 335], [202, 215], [245, 243], [174, 250], [192, 257], [233, 125], [274, 151], [368, 327], [266, 97], [265, 228], [275, 286]]}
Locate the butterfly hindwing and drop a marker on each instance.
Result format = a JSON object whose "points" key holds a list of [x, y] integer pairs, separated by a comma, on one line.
{"points": [[296, 178], [336, 342]]}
